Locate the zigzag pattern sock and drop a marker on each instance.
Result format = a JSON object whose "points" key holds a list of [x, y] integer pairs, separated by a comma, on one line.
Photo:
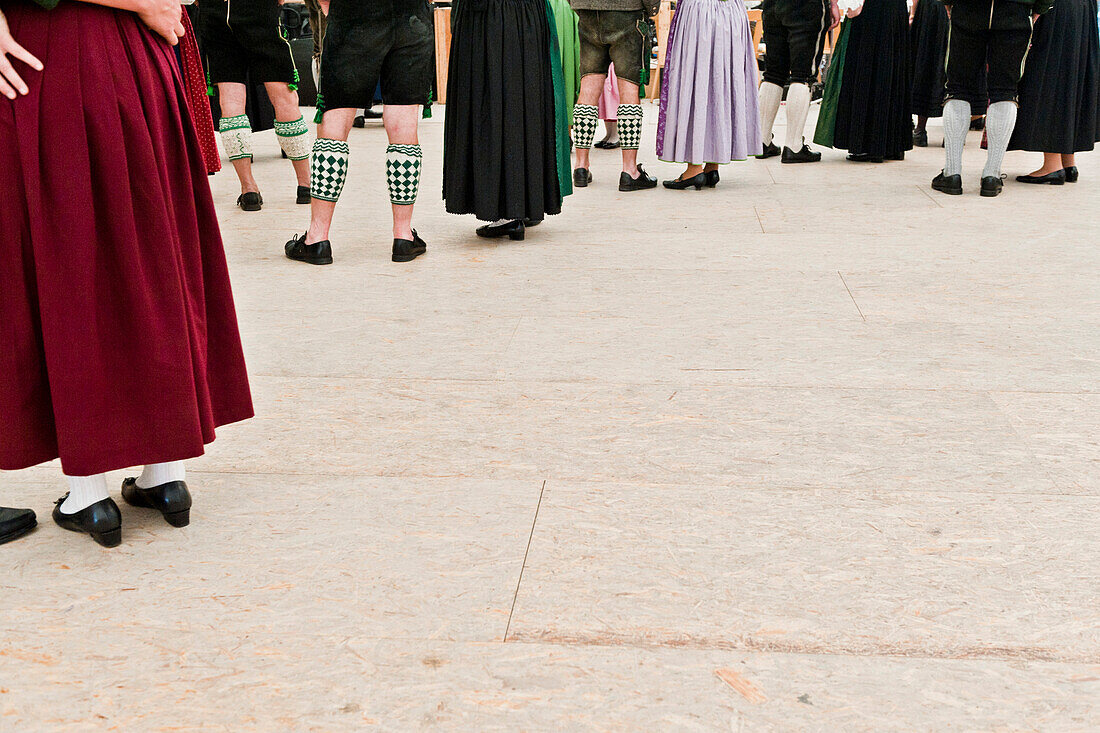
{"points": [[328, 169], [236, 135], [293, 138], [586, 118], [630, 126], [403, 163], [1000, 120], [956, 123]]}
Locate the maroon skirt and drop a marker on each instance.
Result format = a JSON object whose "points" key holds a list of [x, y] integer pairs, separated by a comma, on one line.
{"points": [[118, 336]]}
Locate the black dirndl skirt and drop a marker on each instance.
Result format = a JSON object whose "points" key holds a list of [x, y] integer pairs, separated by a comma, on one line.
{"points": [[928, 51], [500, 154], [1060, 89]]}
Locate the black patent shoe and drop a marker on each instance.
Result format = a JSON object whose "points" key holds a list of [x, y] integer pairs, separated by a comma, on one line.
{"points": [[643, 182], [952, 185], [712, 178], [920, 138], [250, 201], [865, 158], [607, 144], [771, 150], [14, 523], [514, 230], [303, 196], [697, 181], [407, 250], [318, 253], [1057, 178], [992, 186], [172, 500], [581, 177], [1072, 174], [101, 520], [805, 155]]}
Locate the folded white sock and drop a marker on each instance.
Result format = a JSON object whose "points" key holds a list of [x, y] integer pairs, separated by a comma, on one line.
{"points": [[156, 474], [798, 108], [771, 95], [84, 491]]}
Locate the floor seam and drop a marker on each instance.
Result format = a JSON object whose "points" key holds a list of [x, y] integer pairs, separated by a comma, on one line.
{"points": [[523, 567]]}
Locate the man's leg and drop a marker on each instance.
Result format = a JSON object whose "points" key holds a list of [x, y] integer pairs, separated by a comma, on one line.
{"points": [[966, 58], [807, 41], [291, 128], [329, 170], [777, 71], [236, 133], [403, 164], [1008, 46], [586, 116], [630, 125]]}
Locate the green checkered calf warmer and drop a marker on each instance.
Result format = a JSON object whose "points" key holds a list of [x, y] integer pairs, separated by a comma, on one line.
{"points": [[236, 135], [403, 164], [630, 126], [293, 138], [328, 169], [586, 118]]}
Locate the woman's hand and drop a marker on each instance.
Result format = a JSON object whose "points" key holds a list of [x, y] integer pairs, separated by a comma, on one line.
{"points": [[165, 18], [10, 81], [853, 12]]}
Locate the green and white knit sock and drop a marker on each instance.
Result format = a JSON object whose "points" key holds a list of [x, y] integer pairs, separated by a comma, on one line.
{"points": [[293, 138], [586, 118], [236, 135], [328, 169], [403, 163], [630, 126]]}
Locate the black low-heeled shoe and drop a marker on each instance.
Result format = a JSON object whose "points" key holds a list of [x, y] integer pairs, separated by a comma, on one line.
{"points": [[302, 195], [1072, 174], [14, 523], [250, 201], [771, 150], [642, 182], [712, 178], [607, 144], [581, 177], [865, 158], [1057, 178], [515, 230], [318, 253], [172, 500], [680, 184], [407, 250], [920, 138], [102, 520]]}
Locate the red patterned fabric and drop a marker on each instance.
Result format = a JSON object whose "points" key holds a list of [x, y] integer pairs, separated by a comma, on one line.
{"points": [[194, 79]]}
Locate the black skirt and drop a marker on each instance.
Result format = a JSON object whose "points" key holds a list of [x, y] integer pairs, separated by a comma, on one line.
{"points": [[928, 50], [500, 155], [872, 114], [1060, 90]]}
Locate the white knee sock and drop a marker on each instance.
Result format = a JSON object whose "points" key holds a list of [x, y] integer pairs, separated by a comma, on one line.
{"points": [[85, 491], [157, 474], [798, 107], [771, 95], [956, 123], [1000, 120]]}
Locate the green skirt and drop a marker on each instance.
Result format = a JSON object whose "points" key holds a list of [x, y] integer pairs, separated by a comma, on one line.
{"points": [[563, 102], [826, 120], [564, 20]]}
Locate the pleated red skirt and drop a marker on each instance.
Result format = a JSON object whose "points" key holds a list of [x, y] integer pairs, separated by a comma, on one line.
{"points": [[118, 336]]}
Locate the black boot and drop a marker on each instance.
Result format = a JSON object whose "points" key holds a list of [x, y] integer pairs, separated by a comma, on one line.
{"points": [[14, 523], [514, 230], [172, 500], [101, 520], [407, 250], [952, 185], [250, 201], [318, 253], [805, 155], [641, 183]]}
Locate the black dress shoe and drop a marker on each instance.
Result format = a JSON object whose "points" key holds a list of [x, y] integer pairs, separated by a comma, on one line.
{"points": [[697, 181], [407, 250], [250, 201], [359, 121], [101, 520], [581, 177], [952, 185], [805, 155], [14, 523], [607, 144], [920, 138], [771, 150], [318, 253], [530, 223], [514, 230], [643, 182], [1072, 174], [992, 186], [303, 195], [1057, 178], [712, 178], [865, 158], [172, 499]]}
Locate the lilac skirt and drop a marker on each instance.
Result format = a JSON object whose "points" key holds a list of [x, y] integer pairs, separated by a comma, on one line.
{"points": [[709, 109]]}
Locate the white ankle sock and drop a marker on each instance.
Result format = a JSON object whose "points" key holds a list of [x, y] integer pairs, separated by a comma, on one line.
{"points": [[156, 474], [956, 123], [999, 123], [798, 107], [770, 97], [85, 491]]}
